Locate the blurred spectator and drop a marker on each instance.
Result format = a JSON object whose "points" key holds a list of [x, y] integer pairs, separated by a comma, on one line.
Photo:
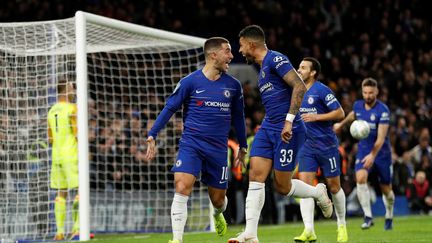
{"points": [[419, 194], [422, 149]]}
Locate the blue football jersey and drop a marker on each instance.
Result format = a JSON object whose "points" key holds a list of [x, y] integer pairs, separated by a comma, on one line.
{"points": [[319, 99], [378, 114], [275, 92], [208, 107]]}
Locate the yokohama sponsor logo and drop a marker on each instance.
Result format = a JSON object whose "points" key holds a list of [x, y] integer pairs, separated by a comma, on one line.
{"points": [[281, 63], [217, 104], [266, 86], [308, 110]]}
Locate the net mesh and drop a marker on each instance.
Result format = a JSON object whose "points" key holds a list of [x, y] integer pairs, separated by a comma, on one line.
{"points": [[129, 78]]}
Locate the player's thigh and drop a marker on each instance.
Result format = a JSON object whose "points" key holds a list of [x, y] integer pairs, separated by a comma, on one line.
{"points": [[70, 170], [384, 169], [329, 162], [188, 161], [307, 161], [57, 177], [261, 155], [284, 158], [260, 168], [215, 169]]}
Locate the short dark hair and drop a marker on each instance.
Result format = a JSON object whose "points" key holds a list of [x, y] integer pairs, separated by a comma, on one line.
{"points": [[213, 43], [370, 82], [61, 86], [316, 65], [254, 32]]}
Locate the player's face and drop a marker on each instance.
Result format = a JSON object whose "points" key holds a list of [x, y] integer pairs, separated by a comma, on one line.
{"points": [[305, 71], [369, 94], [223, 57], [245, 50]]}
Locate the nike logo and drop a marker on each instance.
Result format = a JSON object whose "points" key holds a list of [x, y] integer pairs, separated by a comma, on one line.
{"points": [[222, 182], [283, 165], [333, 170], [199, 91]]}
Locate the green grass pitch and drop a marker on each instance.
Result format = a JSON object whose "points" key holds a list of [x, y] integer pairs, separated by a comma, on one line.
{"points": [[405, 229]]}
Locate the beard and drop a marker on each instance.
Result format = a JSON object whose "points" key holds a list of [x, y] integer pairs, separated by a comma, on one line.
{"points": [[249, 59], [369, 101]]}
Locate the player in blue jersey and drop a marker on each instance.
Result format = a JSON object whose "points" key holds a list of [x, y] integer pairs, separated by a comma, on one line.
{"points": [[211, 100], [374, 152], [281, 134], [319, 110]]}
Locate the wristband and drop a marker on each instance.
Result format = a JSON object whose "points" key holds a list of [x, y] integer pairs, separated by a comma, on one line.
{"points": [[290, 117]]}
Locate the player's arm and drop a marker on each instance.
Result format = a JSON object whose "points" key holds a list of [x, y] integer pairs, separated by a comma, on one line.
{"points": [[50, 136], [347, 120], [334, 115], [174, 103], [73, 121], [240, 127], [382, 133], [369, 159], [299, 89]]}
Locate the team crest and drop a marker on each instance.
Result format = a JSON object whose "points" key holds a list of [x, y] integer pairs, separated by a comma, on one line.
{"points": [[372, 117], [310, 100], [227, 93], [178, 163], [262, 74]]}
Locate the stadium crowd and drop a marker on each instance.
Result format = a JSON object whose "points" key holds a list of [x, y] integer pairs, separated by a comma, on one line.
{"points": [[388, 40]]}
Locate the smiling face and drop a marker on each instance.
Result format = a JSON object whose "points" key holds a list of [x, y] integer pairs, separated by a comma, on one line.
{"points": [[246, 48], [305, 71], [222, 57]]}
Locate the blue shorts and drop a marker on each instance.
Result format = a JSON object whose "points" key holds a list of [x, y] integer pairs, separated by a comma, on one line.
{"points": [[268, 144], [198, 155], [310, 160], [382, 166]]}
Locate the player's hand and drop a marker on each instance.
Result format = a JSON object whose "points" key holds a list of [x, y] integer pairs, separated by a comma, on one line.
{"points": [[240, 160], [151, 148], [286, 133], [309, 117], [368, 161], [337, 127]]}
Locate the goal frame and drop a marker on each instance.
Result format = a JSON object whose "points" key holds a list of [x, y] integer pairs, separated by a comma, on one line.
{"points": [[81, 20]]}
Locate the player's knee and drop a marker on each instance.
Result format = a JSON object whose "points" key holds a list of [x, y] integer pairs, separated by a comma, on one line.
{"points": [[218, 201], [182, 188], [282, 188], [334, 188]]}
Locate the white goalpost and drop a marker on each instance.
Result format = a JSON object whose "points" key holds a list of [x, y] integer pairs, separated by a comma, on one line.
{"points": [[123, 73]]}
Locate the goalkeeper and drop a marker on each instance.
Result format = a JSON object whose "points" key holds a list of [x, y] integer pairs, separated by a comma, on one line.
{"points": [[211, 100], [62, 133]]}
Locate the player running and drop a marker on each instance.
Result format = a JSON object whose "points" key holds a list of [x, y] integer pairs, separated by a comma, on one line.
{"points": [[281, 134], [211, 100], [318, 110], [374, 152]]}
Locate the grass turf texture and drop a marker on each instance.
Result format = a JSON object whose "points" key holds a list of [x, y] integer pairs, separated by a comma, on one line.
{"points": [[405, 229]]}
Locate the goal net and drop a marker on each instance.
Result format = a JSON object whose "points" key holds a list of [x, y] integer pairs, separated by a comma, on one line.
{"points": [[131, 70]]}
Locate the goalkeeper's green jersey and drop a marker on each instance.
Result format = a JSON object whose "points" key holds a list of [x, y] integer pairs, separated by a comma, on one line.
{"points": [[64, 142]]}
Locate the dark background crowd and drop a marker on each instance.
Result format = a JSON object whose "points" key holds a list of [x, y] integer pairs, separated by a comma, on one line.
{"points": [[388, 40]]}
